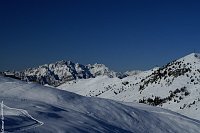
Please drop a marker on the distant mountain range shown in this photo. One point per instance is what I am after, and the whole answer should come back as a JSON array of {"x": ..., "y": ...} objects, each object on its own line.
[{"x": 61, "y": 72}]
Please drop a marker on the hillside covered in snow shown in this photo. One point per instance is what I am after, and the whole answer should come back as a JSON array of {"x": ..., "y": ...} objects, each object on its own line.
[
  {"x": 175, "y": 86},
  {"x": 61, "y": 111}
]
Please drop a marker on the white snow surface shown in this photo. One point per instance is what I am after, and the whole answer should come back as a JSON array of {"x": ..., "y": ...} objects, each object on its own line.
[
  {"x": 66, "y": 112},
  {"x": 182, "y": 74}
]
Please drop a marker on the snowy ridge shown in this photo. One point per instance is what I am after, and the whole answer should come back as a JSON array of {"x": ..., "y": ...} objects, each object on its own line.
[
  {"x": 62, "y": 111},
  {"x": 174, "y": 86}
]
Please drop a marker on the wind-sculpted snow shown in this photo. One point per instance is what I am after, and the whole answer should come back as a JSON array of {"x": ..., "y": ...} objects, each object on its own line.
[
  {"x": 65, "y": 112},
  {"x": 18, "y": 120}
]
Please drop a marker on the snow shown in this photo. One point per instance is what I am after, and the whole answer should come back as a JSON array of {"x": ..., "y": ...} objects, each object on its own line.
[
  {"x": 101, "y": 69},
  {"x": 17, "y": 120},
  {"x": 131, "y": 73},
  {"x": 63, "y": 111},
  {"x": 127, "y": 89},
  {"x": 60, "y": 72}
]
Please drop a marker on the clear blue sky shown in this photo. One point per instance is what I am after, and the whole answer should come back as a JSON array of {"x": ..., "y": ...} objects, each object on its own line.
[{"x": 123, "y": 34}]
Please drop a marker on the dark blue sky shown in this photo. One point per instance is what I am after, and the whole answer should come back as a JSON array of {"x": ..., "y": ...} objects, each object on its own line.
[{"x": 123, "y": 34}]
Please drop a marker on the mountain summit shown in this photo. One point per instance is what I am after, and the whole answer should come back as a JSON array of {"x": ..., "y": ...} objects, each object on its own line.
[{"x": 60, "y": 72}]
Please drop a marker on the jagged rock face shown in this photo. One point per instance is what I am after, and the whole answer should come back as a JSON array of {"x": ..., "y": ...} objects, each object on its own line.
[
  {"x": 60, "y": 72},
  {"x": 101, "y": 69}
]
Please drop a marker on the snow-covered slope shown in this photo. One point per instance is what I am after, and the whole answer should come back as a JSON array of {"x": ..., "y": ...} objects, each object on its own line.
[
  {"x": 62, "y": 111},
  {"x": 15, "y": 120},
  {"x": 103, "y": 86},
  {"x": 175, "y": 86}
]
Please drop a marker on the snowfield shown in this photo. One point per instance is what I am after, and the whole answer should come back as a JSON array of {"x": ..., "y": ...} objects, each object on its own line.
[
  {"x": 17, "y": 120},
  {"x": 66, "y": 112},
  {"x": 175, "y": 86}
]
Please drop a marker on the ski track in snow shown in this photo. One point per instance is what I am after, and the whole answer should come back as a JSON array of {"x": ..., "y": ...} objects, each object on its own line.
[{"x": 62, "y": 111}]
